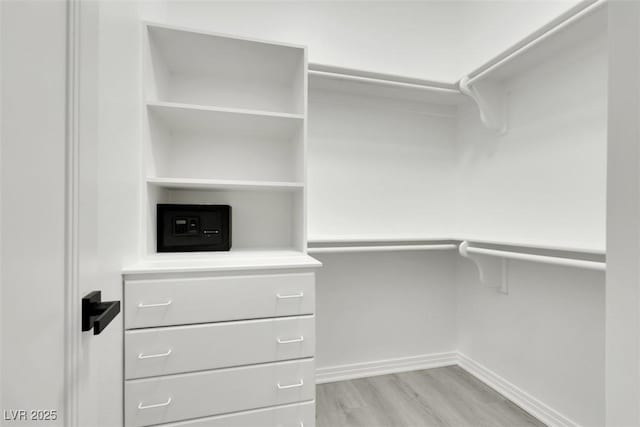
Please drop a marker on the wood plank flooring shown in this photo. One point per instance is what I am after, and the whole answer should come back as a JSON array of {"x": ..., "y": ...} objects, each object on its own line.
[{"x": 446, "y": 396}]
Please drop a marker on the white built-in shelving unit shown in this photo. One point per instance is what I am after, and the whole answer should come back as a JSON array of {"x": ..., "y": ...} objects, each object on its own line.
[{"x": 226, "y": 124}]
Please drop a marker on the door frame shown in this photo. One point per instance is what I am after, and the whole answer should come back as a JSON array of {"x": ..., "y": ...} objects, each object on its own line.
[{"x": 72, "y": 257}]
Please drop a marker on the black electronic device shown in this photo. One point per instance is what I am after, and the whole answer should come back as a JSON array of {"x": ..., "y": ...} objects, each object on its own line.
[{"x": 189, "y": 228}]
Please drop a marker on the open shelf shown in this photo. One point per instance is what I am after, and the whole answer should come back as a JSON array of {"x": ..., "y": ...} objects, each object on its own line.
[
  {"x": 260, "y": 220},
  {"x": 191, "y": 141},
  {"x": 206, "y": 68},
  {"x": 219, "y": 184}
]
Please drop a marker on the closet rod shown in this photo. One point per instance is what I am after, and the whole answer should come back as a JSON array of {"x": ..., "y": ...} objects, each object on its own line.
[
  {"x": 385, "y": 82},
  {"x": 570, "y": 262},
  {"x": 382, "y": 248},
  {"x": 574, "y": 14}
]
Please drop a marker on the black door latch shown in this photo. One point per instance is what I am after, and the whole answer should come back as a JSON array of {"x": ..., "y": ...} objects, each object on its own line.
[{"x": 97, "y": 314}]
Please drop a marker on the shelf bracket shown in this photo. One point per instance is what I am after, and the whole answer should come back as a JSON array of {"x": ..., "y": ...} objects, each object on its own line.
[
  {"x": 493, "y": 270},
  {"x": 491, "y": 99}
]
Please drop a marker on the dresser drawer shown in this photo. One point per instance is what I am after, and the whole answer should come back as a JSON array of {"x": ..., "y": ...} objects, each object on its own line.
[
  {"x": 186, "y": 396},
  {"x": 167, "y": 302},
  {"x": 170, "y": 350},
  {"x": 296, "y": 415}
]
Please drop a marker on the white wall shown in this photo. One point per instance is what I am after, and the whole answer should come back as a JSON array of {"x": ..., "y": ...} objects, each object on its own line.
[
  {"x": 379, "y": 167},
  {"x": 623, "y": 217},
  {"x": 378, "y": 306},
  {"x": 546, "y": 336},
  {"x": 543, "y": 182},
  {"x": 437, "y": 40}
]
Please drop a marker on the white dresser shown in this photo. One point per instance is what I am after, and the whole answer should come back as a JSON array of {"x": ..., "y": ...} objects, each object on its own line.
[{"x": 230, "y": 348}]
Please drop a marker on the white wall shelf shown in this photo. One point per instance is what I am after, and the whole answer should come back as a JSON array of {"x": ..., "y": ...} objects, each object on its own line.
[
  {"x": 217, "y": 184},
  {"x": 533, "y": 245},
  {"x": 381, "y": 248},
  {"x": 337, "y": 240},
  {"x": 485, "y": 85},
  {"x": 363, "y": 239},
  {"x": 366, "y": 83},
  {"x": 492, "y": 260},
  {"x": 490, "y": 257},
  {"x": 584, "y": 21}
]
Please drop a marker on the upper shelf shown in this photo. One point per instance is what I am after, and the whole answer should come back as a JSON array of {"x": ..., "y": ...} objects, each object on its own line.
[
  {"x": 368, "y": 83},
  {"x": 584, "y": 21},
  {"x": 198, "y": 67},
  {"x": 484, "y": 85},
  {"x": 239, "y": 122}
]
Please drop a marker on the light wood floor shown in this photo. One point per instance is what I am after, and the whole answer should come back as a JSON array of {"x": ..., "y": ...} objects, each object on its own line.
[{"x": 434, "y": 397}]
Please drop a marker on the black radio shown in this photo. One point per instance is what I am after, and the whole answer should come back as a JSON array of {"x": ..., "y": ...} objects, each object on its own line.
[{"x": 188, "y": 228}]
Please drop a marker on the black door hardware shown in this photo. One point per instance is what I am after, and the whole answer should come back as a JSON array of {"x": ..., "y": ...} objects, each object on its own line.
[{"x": 97, "y": 314}]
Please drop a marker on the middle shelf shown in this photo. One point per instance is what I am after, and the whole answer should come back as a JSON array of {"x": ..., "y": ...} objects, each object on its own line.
[
  {"x": 222, "y": 184},
  {"x": 226, "y": 144}
]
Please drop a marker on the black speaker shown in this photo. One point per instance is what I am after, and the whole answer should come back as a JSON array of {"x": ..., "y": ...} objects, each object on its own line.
[{"x": 189, "y": 228}]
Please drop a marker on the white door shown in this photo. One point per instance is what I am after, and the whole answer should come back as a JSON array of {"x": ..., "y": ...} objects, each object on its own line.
[
  {"x": 108, "y": 187},
  {"x": 69, "y": 163}
]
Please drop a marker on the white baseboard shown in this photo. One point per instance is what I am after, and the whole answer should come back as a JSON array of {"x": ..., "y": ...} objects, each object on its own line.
[
  {"x": 382, "y": 367},
  {"x": 532, "y": 405}
]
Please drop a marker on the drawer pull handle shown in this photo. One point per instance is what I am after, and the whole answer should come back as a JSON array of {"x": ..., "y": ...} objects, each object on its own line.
[
  {"x": 160, "y": 304},
  {"x": 299, "y": 339},
  {"x": 296, "y": 385},
  {"x": 155, "y": 405},
  {"x": 299, "y": 295},
  {"x": 151, "y": 356}
]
